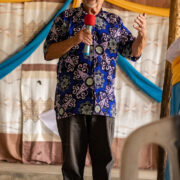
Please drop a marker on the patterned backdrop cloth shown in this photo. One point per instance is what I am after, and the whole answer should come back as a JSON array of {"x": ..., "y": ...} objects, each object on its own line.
[
  {"x": 29, "y": 90},
  {"x": 11, "y": 36}
]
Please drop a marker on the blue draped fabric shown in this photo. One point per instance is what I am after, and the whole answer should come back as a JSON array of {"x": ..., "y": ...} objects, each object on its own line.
[
  {"x": 10, "y": 64},
  {"x": 175, "y": 100},
  {"x": 143, "y": 83},
  {"x": 174, "y": 110}
]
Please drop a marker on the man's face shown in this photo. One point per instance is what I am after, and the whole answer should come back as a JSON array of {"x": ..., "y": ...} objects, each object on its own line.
[{"x": 92, "y": 3}]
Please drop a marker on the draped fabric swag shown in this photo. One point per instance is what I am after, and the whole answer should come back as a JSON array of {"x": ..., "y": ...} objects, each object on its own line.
[{"x": 123, "y": 4}]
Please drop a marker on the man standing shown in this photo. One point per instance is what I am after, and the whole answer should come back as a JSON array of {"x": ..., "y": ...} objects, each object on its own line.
[{"x": 85, "y": 102}]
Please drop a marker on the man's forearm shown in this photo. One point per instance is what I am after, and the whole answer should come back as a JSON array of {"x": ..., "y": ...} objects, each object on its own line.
[
  {"x": 138, "y": 46},
  {"x": 58, "y": 49}
]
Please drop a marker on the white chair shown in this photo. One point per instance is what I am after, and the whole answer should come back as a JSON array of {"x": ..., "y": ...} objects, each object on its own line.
[{"x": 163, "y": 133}]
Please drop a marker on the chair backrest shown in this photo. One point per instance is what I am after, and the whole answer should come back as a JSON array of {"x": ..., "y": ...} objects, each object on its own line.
[{"x": 163, "y": 133}]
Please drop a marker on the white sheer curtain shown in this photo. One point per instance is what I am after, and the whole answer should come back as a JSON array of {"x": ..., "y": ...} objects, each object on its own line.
[
  {"x": 11, "y": 38},
  {"x": 29, "y": 90},
  {"x": 134, "y": 107}
]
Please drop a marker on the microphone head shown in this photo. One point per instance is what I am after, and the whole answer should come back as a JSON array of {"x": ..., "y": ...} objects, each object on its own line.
[{"x": 89, "y": 20}]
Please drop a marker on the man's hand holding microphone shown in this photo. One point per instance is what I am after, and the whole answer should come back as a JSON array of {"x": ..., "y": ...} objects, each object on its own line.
[{"x": 85, "y": 35}]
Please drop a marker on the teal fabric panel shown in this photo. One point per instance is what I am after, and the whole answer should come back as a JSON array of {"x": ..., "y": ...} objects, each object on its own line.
[{"x": 137, "y": 78}]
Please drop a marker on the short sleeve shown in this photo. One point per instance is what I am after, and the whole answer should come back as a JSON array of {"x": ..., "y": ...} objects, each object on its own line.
[
  {"x": 125, "y": 42},
  {"x": 58, "y": 32}
]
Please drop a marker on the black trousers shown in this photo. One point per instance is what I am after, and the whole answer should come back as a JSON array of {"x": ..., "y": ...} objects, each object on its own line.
[{"x": 77, "y": 134}]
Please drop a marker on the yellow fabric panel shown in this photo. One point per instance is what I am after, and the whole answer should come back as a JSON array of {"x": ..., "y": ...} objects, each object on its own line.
[
  {"x": 14, "y": 1},
  {"x": 176, "y": 71},
  {"x": 76, "y": 3},
  {"x": 140, "y": 8},
  {"x": 134, "y": 7}
]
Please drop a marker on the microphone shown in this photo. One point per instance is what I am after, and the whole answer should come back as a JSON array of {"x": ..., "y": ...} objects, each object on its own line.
[{"x": 89, "y": 21}]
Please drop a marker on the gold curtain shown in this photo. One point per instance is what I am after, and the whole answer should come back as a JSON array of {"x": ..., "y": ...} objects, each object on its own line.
[
  {"x": 14, "y": 1},
  {"x": 139, "y": 8}
]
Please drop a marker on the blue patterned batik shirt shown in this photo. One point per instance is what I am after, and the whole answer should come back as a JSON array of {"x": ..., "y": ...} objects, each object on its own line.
[{"x": 85, "y": 84}]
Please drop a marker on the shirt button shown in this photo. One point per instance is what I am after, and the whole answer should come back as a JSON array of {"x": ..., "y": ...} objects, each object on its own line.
[
  {"x": 61, "y": 111},
  {"x": 97, "y": 108},
  {"x": 99, "y": 50},
  {"x": 89, "y": 81}
]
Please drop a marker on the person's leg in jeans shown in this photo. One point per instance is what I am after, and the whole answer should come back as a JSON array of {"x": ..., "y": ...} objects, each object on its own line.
[
  {"x": 101, "y": 131},
  {"x": 73, "y": 133}
]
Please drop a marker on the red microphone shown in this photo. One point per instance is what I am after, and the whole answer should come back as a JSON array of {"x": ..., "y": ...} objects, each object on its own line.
[{"x": 89, "y": 21}]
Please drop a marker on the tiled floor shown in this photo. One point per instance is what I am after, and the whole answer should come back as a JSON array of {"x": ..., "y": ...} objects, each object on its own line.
[{"x": 12, "y": 171}]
